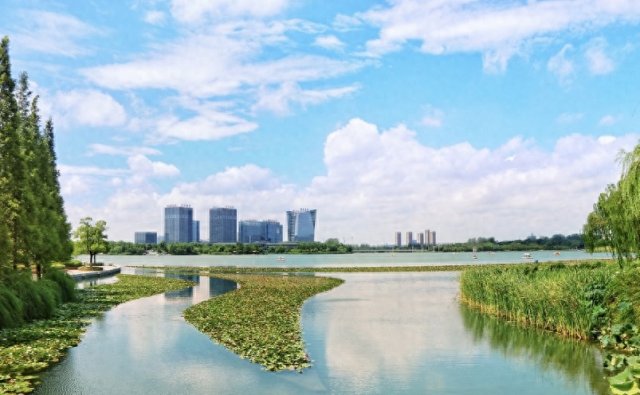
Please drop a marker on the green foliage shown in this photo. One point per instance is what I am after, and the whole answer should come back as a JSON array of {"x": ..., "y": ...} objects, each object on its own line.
[
  {"x": 29, "y": 349},
  {"x": 91, "y": 238},
  {"x": 33, "y": 227},
  {"x": 10, "y": 309},
  {"x": 615, "y": 219},
  {"x": 261, "y": 320},
  {"x": 65, "y": 282}
]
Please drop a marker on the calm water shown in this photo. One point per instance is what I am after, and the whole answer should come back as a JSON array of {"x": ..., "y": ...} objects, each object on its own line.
[
  {"x": 381, "y": 259},
  {"x": 377, "y": 333}
]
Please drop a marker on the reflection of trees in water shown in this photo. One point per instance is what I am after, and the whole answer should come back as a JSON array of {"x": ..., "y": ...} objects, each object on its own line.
[{"x": 575, "y": 359}]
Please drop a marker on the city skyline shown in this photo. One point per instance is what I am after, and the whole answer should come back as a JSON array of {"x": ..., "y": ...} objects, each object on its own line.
[{"x": 377, "y": 113}]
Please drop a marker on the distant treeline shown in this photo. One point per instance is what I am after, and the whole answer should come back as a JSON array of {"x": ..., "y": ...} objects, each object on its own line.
[
  {"x": 555, "y": 242},
  {"x": 128, "y": 248}
]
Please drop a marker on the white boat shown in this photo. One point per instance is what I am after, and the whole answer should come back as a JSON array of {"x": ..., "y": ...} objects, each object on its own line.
[
  {"x": 526, "y": 255},
  {"x": 281, "y": 259}
]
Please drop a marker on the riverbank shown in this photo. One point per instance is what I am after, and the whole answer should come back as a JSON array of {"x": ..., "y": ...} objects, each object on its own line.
[
  {"x": 27, "y": 350},
  {"x": 260, "y": 321},
  {"x": 595, "y": 302},
  {"x": 349, "y": 269}
]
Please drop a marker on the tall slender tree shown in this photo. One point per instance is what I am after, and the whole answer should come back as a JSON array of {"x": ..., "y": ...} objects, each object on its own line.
[{"x": 11, "y": 166}]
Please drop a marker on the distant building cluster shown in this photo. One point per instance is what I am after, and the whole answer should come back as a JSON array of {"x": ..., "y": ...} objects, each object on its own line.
[
  {"x": 426, "y": 239},
  {"x": 181, "y": 227}
]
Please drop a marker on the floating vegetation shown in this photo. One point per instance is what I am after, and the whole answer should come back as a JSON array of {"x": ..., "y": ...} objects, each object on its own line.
[
  {"x": 27, "y": 350},
  {"x": 349, "y": 269},
  {"x": 260, "y": 321}
]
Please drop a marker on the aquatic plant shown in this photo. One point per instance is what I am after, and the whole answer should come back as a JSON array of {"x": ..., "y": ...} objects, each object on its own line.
[
  {"x": 260, "y": 321},
  {"x": 29, "y": 349}
]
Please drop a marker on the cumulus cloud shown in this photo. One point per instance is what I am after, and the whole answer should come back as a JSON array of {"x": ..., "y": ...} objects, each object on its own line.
[
  {"x": 497, "y": 30},
  {"x": 377, "y": 182},
  {"x": 85, "y": 107}
]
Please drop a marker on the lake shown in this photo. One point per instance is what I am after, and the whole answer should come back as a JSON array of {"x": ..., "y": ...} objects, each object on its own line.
[
  {"x": 368, "y": 259},
  {"x": 377, "y": 333}
]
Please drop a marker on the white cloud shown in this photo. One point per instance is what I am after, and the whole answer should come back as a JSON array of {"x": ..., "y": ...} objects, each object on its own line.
[
  {"x": 195, "y": 11},
  {"x": 345, "y": 23},
  {"x": 598, "y": 61},
  {"x": 279, "y": 100},
  {"x": 433, "y": 117},
  {"x": 329, "y": 42},
  {"x": 498, "y": 30},
  {"x": 52, "y": 33},
  {"x": 560, "y": 65},
  {"x": 607, "y": 120},
  {"x": 142, "y": 167},
  {"x": 155, "y": 17},
  {"x": 104, "y": 149},
  {"x": 379, "y": 181},
  {"x": 84, "y": 108}
]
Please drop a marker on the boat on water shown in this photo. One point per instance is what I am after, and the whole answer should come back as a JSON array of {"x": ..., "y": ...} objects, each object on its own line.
[
  {"x": 281, "y": 259},
  {"x": 526, "y": 255}
]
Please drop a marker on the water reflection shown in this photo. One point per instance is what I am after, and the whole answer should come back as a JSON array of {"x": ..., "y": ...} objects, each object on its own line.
[
  {"x": 377, "y": 333},
  {"x": 577, "y": 361}
]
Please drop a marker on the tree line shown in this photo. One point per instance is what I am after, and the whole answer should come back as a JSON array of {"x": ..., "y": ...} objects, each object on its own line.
[
  {"x": 127, "y": 248},
  {"x": 34, "y": 231},
  {"x": 614, "y": 223}
]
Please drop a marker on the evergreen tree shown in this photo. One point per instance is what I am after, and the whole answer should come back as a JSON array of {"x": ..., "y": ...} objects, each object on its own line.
[{"x": 11, "y": 166}]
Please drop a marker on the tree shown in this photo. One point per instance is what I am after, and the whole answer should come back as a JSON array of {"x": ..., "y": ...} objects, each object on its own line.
[
  {"x": 91, "y": 238},
  {"x": 615, "y": 219}
]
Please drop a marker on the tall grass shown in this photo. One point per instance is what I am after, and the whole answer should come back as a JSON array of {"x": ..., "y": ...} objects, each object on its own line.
[
  {"x": 560, "y": 298},
  {"x": 22, "y": 299}
]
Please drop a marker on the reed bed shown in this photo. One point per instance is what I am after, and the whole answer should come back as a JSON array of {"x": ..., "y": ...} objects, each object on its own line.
[{"x": 559, "y": 298}]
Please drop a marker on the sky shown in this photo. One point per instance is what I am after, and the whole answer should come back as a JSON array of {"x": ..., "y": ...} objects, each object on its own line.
[{"x": 500, "y": 118}]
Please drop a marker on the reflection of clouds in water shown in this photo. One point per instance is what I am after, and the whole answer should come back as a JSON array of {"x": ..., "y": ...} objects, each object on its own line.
[{"x": 386, "y": 324}]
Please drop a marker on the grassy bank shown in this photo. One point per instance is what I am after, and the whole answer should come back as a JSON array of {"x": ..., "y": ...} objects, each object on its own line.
[
  {"x": 31, "y": 348},
  {"x": 344, "y": 269},
  {"x": 597, "y": 301},
  {"x": 261, "y": 320}
]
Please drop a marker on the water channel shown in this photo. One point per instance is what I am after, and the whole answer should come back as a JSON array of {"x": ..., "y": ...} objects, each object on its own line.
[{"x": 377, "y": 333}]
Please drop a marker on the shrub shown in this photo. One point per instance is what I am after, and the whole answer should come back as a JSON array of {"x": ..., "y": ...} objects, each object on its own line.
[
  {"x": 10, "y": 308},
  {"x": 65, "y": 282},
  {"x": 39, "y": 300}
]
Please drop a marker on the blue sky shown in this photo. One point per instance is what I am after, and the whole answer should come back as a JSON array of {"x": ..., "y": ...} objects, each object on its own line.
[{"x": 473, "y": 118}]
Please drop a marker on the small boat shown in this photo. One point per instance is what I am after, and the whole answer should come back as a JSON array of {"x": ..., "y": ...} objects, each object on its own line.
[
  {"x": 526, "y": 255},
  {"x": 475, "y": 256},
  {"x": 556, "y": 253},
  {"x": 281, "y": 259}
]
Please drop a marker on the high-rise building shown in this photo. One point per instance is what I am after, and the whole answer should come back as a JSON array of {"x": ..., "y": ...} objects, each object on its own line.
[
  {"x": 272, "y": 231},
  {"x": 252, "y": 231},
  {"x": 301, "y": 225},
  {"x": 398, "y": 239},
  {"x": 421, "y": 239},
  {"x": 429, "y": 240},
  {"x": 433, "y": 237},
  {"x": 195, "y": 231},
  {"x": 178, "y": 224},
  {"x": 409, "y": 239},
  {"x": 223, "y": 225},
  {"x": 146, "y": 238}
]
